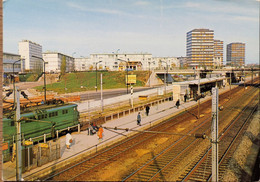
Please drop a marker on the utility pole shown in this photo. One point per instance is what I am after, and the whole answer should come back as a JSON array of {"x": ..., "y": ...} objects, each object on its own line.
[
  {"x": 252, "y": 74},
  {"x": 132, "y": 100},
  {"x": 101, "y": 94},
  {"x": 214, "y": 134},
  {"x": 244, "y": 79},
  {"x": 18, "y": 134},
  {"x": 230, "y": 81},
  {"x": 199, "y": 94}
]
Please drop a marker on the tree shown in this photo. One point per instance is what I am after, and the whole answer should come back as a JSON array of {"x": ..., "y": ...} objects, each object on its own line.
[
  {"x": 63, "y": 65},
  {"x": 91, "y": 67}
]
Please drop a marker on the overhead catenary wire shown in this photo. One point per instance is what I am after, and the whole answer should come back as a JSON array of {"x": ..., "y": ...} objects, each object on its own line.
[{"x": 196, "y": 135}]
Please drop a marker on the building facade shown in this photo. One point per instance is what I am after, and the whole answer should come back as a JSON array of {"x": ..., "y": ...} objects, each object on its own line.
[
  {"x": 236, "y": 54},
  {"x": 218, "y": 53},
  {"x": 28, "y": 49},
  {"x": 120, "y": 62},
  {"x": 183, "y": 62},
  {"x": 82, "y": 64},
  {"x": 12, "y": 65},
  {"x": 163, "y": 62},
  {"x": 55, "y": 61},
  {"x": 200, "y": 48}
]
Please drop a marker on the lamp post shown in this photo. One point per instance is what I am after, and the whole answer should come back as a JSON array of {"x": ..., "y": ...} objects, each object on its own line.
[
  {"x": 44, "y": 76},
  {"x": 13, "y": 75},
  {"x": 149, "y": 72},
  {"x": 199, "y": 93},
  {"x": 126, "y": 73},
  {"x": 165, "y": 75},
  {"x": 96, "y": 73}
]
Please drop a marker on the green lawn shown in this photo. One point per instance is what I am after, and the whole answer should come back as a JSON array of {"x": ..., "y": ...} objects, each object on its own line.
[{"x": 74, "y": 81}]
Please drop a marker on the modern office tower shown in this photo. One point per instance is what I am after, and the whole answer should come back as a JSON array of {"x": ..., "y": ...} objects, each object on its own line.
[
  {"x": 218, "y": 53},
  {"x": 236, "y": 54},
  {"x": 27, "y": 49},
  {"x": 200, "y": 48}
]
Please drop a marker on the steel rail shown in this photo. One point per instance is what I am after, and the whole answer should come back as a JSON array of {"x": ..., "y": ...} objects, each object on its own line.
[
  {"x": 145, "y": 166},
  {"x": 222, "y": 135},
  {"x": 121, "y": 143}
]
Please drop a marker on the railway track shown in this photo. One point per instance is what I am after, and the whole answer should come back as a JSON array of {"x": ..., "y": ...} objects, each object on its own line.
[
  {"x": 167, "y": 161},
  {"x": 92, "y": 164},
  {"x": 201, "y": 171}
]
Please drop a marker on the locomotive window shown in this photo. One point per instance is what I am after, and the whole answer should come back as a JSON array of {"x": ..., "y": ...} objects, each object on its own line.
[
  {"x": 45, "y": 115},
  {"x": 65, "y": 111},
  {"x": 52, "y": 114},
  {"x": 12, "y": 123}
]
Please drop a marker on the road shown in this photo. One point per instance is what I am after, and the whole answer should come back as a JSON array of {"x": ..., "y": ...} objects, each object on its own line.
[
  {"x": 88, "y": 95},
  {"x": 108, "y": 93}
]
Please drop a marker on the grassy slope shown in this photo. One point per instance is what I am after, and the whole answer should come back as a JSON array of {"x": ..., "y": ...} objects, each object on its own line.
[{"x": 115, "y": 79}]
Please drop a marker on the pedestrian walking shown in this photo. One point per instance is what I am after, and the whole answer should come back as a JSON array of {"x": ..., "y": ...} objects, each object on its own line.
[
  {"x": 68, "y": 140},
  {"x": 185, "y": 97},
  {"x": 147, "y": 109},
  {"x": 139, "y": 119},
  {"x": 100, "y": 133},
  {"x": 178, "y": 103}
]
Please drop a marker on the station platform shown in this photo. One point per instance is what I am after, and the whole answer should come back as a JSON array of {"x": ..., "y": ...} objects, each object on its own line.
[{"x": 84, "y": 144}]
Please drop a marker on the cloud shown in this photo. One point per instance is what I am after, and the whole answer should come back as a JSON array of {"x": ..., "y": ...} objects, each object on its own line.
[
  {"x": 244, "y": 18},
  {"x": 142, "y": 3},
  {"x": 111, "y": 11},
  {"x": 100, "y": 10},
  {"x": 192, "y": 5}
]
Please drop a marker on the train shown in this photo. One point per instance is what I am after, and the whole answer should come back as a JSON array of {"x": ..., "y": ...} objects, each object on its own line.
[{"x": 37, "y": 121}]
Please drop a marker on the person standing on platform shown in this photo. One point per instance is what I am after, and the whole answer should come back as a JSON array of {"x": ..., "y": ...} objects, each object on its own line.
[
  {"x": 185, "y": 97},
  {"x": 100, "y": 133},
  {"x": 147, "y": 109},
  {"x": 139, "y": 119},
  {"x": 178, "y": 103},
  {"x": 68, "y": 140}
]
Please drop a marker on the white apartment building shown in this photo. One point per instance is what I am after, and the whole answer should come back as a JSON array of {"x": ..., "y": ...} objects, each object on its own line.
[
  {"x": 27, "y": 49},
  {"x": 82, "y": 64},
  {"x": 121, "y": 61},
  {"x": 163, "y": 62},
  {"x": 54, "y": 62}
]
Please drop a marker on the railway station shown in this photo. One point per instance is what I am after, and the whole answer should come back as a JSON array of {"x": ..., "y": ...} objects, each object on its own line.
[{"x": 54, "y": 155}]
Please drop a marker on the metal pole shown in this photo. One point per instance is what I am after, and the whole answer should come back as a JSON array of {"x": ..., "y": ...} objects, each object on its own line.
[
  {"x": 127, "y": 78},
  {"x": 44, "y": 75},
  {"x": 214, "y": 134},
  {"x": 252, "y": 74},
  {"x": 199, "y": 94},
  {"x": 96, "y": 77},
  {"x": 44, "y": 83},
  {"x": 230, "y": 81},
  {"x": 165, "y": 82},
  {"x": 244, "y": 80},
  {"x": 149, "y": 74},
  {"x": 132, "y": 100},
  {"x": 18, "y": 135},
  {"x": 101, "y": 89},
  {"x": 167, "y": 73}
]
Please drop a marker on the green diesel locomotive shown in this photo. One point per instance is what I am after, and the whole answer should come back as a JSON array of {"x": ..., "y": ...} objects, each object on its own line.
[{"x": 37, "y": 121}]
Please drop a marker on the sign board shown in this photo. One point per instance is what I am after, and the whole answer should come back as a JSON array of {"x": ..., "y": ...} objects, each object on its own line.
[
  {"x": 44, "y": 145},
  {"x": 131, "y": 79},
  {"x": 28, "y": 142}
]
